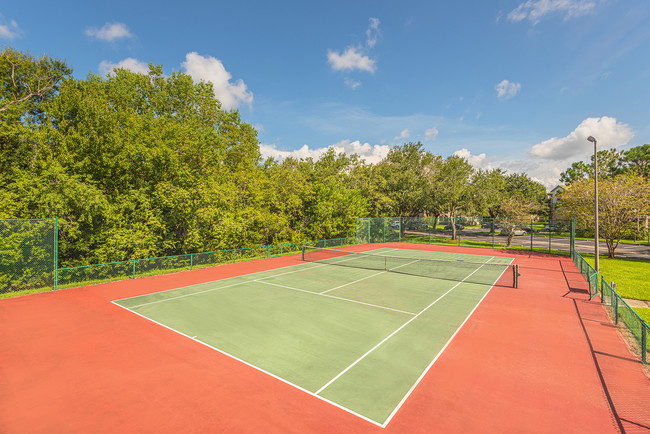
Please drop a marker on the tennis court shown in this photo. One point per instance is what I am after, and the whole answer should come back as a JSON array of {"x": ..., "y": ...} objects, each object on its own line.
[{"x": 358, "y": 330}]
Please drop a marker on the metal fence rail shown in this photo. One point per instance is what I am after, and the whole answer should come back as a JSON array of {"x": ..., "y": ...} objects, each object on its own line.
[{"x": 633, "y": 328}]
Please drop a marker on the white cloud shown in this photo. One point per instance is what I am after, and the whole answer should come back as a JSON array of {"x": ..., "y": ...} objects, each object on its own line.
[
  {"x": 9, "y": 30},
  {"x": 431, "y": 134},
  {"x": 478, "y": 161},
  {"x": 109, "y": 32},
  {"x": 352, "y": 83},
  {"x": 608, "y": 132},
  {"x": 507, "y": 89},
  {"x": 351, "y": 59},
  {"x": 133, "y": 65},
  {"x": 405, "y": 133},
  {"x": 535, "y": 10},
  {"x": 208, "y": 68},
  {"x": 356, "y": 57},
  {"x": 550, "y": 158},
  {"x": 369, "y": 153},
  {"x": 373, "y": 33}
]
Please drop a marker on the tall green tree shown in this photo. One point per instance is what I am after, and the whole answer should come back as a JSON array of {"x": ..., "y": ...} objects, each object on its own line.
[
  {"x": 454, "y": 188},
  {"x": 637, "y": 160},
  {"x": 404, "y": 180},
  {"x": 621, "y": 200}
]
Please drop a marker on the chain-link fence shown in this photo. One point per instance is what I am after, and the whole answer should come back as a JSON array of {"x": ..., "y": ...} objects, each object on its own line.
[
  {"x": 98, "y": 273},
  {"x": 28, "y": 254},
  {"x": 28, "y": 259},
  {"x": 524, "y": 234}
]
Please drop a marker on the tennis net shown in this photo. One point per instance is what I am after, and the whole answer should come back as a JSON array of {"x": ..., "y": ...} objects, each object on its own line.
[{"x": 475, "y": 272}]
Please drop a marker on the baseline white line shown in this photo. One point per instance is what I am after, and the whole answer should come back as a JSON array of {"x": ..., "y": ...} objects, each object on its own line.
[
  {"x": 254, "y": 367},
  {"x": 333, "y": 296},
  {"x": 395, "y": 332}
]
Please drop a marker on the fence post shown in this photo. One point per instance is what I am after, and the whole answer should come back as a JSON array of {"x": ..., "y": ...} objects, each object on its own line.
[
  {"x": 56, "y": 254},
  {"x": 191, "y": 261},
  {"x": 615, "y": 306},
  {"x": 531, "y": 234},
  {"x": 268, "y": 252},
  {"x": 644, "y": 342},
  {"x": 492, "y": 230},
  {"x": 134, "y": 268}
]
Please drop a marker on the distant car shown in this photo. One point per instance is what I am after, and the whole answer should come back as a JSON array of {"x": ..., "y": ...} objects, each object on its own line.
[
  {"x": 528, "y": 229},
  {"x": 395, "y": 224},
  {"x": 489, "y": 225},
  {"x": 459, "y": 227},
  {"x": 515, "y": 232}
]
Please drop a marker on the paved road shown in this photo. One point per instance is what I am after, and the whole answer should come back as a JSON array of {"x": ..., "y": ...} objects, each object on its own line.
[{"x": 635, "y": 251}]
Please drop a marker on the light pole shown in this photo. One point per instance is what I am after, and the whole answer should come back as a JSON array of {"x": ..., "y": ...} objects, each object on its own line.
[{"x": 597, "y": 267}]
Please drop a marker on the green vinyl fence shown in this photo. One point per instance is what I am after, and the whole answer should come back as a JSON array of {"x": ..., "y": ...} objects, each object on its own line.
[
  {"x": 29, "y": 258},
  {"x": 632, "y": 326}
]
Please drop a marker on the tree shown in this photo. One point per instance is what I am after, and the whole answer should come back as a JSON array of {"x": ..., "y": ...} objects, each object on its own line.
[
  {"x": 25, "y": 80},
  {"x": 453, "y": 188},
  {"x": 403, "y": 179},
  {"x": 621, "y": 200},
  {"x": 637, "y": 160},
  {"x": 489, "y": 189},
  {"x": 609, "y": 164}
]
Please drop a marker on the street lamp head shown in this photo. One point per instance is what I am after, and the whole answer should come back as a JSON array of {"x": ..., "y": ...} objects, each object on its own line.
[{"x": 591, "y": 139}]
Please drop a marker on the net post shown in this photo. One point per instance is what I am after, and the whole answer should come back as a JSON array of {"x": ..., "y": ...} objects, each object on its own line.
[{"x": 516, "y": 276}]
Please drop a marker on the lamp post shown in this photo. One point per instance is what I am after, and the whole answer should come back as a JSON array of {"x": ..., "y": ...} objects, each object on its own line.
[{"x": 597, "y": 267}]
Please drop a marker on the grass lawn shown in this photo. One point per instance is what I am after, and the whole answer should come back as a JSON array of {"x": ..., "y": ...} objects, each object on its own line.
[
  {"x": 632, "y": 276},
  {"x": 644, "y": 314}
]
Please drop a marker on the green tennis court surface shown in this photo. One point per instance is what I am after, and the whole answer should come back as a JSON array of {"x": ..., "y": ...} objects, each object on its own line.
[{"x": 359, "y": 338}]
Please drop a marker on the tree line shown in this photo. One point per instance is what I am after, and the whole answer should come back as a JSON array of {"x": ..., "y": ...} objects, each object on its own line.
[
  {"x": 623, "y": 195},
  {"x": 145, "y": 165}
]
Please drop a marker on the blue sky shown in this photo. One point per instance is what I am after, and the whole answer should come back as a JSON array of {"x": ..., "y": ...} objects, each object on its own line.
[{"x": 516, "y": 84}]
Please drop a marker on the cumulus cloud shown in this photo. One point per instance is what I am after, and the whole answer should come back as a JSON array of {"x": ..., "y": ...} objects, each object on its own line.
[
  {"x": 548, "y": 159},
  {"x": 9, "y": 29},
  {"x": 369, "y": 153},
  {"x": 507, "y": 89},
  {"x": 535, "y": 10},
  {"x": 109, "y": 32},
  {"x": 352, "y": 58},
  {"x": 431, "y": 134},
  {"x": 133, "y": 65},
  {"x": 208, "y": 68},
  {"x": 607, "y": 130},
  {"x": 356, "y": 57}
]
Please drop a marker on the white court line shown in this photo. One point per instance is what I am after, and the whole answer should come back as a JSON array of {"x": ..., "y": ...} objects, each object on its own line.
[
  {"x": 395, "y": 332},
  {"x": 254, "y": 367},
  {"x": 396, "y": 409},
  {"x": 368, "y": 277},
  {"x": 333, "y": 296}
]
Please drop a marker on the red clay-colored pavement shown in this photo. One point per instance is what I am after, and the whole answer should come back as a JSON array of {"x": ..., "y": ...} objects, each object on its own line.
[{"x": 538, "y": 359}]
